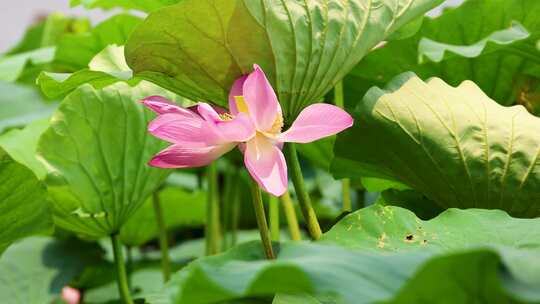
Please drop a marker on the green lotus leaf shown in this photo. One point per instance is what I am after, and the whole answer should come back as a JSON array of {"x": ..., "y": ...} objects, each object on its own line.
[
  {"x": 12, "y": 66},
  {"x": 436, "y": 51},
  {"x": 455, "y": 145},
  {"x": 381, "y": 255},
  {"x": 198, "y": 48},
  {"x": 21, "y": 105},
  {"x": 106, "y": 68},
  {"x": 373, "y": 184},
  {"x": 21, "y": 145},
  {"x": 495, "y": 50},
  {"x": 23, "y": 207},
  {"x": 141, "y": 5},
  {"x": 96, "y": 151}
]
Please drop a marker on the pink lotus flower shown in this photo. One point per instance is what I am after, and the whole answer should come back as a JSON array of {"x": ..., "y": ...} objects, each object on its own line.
[{"x": 203, "y": 133}]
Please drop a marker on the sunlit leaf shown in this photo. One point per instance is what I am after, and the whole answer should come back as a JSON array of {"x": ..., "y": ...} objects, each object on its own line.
[
  {"x": 106, "y": 68},
  {"x": 96, "y": 149},
  {"x": 455, "y": 145},
  {"x": 495, "y": 50},
  {"x": 198, "y": 48}
]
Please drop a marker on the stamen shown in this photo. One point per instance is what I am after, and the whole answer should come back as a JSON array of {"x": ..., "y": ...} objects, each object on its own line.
[
  {"x": 277, "y": 125},
  {"x": 226, "y": 117}
]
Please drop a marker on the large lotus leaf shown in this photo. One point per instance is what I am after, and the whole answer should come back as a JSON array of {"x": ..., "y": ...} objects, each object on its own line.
[
  {"x": 96, "y": 149},
  {"x": 35, "y": 270},
  {"x": 106, "y": 68},
  {"x": 198, "y": 48},
  {"x": 496, "y": 50},
  {"x": 75, "y": 51},
  {"x": 21, "y": 105},
  {"x": 23, "y": 206},
  {"x": 455, "y": 145},
  {"x": 141, "y": 5},
  {"x": 385, "y": 254},
  {"x": 180, "y": 209}
]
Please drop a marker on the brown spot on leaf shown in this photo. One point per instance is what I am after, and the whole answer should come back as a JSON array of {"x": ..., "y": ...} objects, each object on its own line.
[{"x": 409, "y": 238}]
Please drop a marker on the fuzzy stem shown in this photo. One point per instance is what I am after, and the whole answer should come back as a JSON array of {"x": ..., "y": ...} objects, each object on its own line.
[
  {"x": 303, "y": 197},
  {"x": 162, "y": 236},
  {"x": 212, "y": 212},
  {"x": 273, "y": 205},
  {"x": 290, "y": 215},
  {"x": 345, "y": 183},
  {"x": 122, "y": 280},
  {"x": 261, "y": 219}
]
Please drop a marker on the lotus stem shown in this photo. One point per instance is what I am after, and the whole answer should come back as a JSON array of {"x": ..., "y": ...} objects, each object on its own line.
[
  {"x": 290, "y": 215},
  {"x": 346, "y": 192},
  {"x": 129, "y": 265},
  {"x": 303, "y": 197},
  {"x": 212, "y": 212},
  {"x": 162, "y": 236},
  {"x": 273, "y": 205},
  {"x": 345, "y": 183},
  {"x": 122, "y": 280},
  {"x": 261, "y": 219},
  {"x": 235, "y": 217},
  {"x": 227, "y": 207}
]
